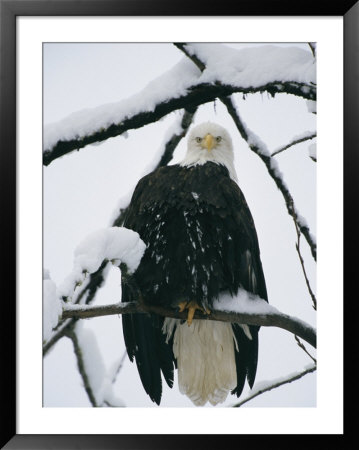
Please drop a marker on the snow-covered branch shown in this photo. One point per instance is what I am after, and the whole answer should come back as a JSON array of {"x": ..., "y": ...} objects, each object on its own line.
[
  {"x": 118, "y": 245},
  {"x": 92, "y": 256},
  {"x": 242, "y": 309},
  {"x": 309, "y": 135},
  {"x": 266, "y": 386},
  {"x": 185, "y": 86}
]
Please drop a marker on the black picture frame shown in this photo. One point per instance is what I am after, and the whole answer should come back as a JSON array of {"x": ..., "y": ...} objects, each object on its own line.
[{"x": 9, "y": 10}]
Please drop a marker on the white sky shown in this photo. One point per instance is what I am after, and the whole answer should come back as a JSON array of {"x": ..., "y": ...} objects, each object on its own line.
[{"x": 81, "y": 191}]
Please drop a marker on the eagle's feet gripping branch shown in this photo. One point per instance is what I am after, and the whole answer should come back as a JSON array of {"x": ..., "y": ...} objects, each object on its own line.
[{"x": 192, "y": 307}]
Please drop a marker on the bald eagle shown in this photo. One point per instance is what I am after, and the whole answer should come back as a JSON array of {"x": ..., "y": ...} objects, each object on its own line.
[{"x": 201, "y": 243}]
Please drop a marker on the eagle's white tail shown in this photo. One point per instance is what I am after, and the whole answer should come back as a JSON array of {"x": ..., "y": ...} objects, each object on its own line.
[{"x": 205, "y": 359}]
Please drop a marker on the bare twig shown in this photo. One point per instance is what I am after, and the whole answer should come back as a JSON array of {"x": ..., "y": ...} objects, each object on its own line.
[
  {"x": 274, "y": 385},
  {"x": 297, "y": 246},
  {"x": 301, "y": 345},
  {"x": 273, "y": 318},
  {"x": 119, "y": 367},
  {"x": 295, "y": 142}
]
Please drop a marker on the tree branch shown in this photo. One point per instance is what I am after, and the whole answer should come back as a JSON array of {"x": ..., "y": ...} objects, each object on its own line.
[
  {"x": 274, "y": 318},
  {"x": 301, "y": 345},
  {"x": 297, "y": 247},
  {"x": 195, "y": 96},
  {"x": 62, "y": 329},
  {"x": 295, "y": 142},
  {"x": 274, "y": 385}
]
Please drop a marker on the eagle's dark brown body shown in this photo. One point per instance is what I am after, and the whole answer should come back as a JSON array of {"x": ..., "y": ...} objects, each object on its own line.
[{"x": 201, "y": 241}]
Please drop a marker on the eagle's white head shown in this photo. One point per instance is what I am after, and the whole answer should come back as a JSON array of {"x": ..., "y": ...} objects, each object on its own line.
[{"x": 210, "y": 142}]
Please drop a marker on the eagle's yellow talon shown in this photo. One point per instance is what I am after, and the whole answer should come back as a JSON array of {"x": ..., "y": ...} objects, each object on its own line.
[
  {"x": 182, "y": 306},
  {"x": 192, "y": 307}
]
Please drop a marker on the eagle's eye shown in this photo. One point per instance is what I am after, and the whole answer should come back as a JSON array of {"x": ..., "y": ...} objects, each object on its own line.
[
  {"x": 218, "y": 138},
  {"x": 198, "y": 139}
]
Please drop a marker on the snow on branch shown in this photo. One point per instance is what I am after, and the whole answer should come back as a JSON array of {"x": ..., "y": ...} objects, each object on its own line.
[
  {"x": 297, "y": 140},
  {"x": 185, "y": 86},
  {"x": 266, "y": 386},
  {"x": 244, "y": 308},
  {"x": 118, "y": 245}
]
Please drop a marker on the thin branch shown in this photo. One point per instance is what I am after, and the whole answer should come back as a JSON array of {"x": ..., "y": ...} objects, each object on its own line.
[
  {"x": 274, "y": 385},
  {"x": 195, "y": 96},
  {"x": 301, "y": 345},
  {"x": 272, "y": 318},
  {"x": 295, "y": 142},
  {"x": 119, "y": 367},
  {"x": 81, "y": 366},
  {"x": 313, "y": 47},
  {"x": 297, "y": 246},
  {"x": 64, "y": 327}
]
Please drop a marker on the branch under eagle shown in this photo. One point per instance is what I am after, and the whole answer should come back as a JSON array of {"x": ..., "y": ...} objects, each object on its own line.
[{"x": 273, "y": 319}]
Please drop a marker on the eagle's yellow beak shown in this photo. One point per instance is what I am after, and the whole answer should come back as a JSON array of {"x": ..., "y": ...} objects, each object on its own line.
[{"x": 209, "y": 142}]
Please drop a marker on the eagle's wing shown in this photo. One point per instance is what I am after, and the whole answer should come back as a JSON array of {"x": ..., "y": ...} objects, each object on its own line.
[
  {"x": 144, "y": 339},
  {"x": 251, "y": 278}
]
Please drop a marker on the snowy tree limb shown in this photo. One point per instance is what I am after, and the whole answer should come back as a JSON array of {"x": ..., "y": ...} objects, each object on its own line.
[
  {"x": 272, "y": 319},
  {"x": 195, "y": 96},
  {"x": 274, "y": 385},
  {"x": 295, "y": 142}
]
